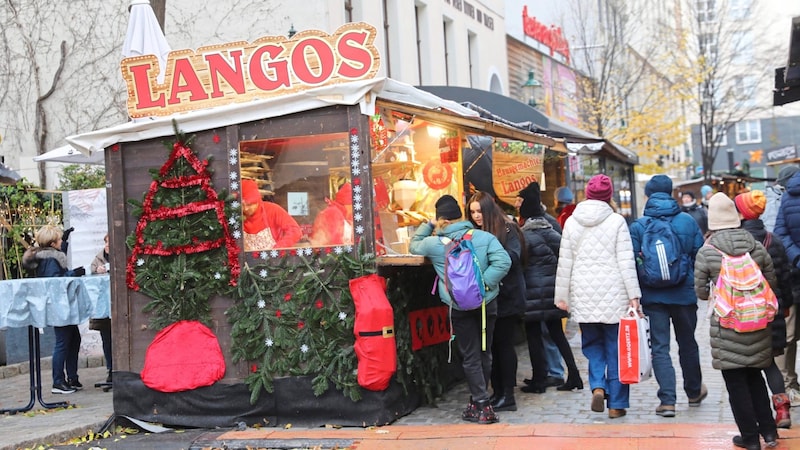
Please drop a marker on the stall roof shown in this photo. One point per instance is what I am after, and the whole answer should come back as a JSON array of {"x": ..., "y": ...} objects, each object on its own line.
[
  {"x": 364, "y": 93},
  {"x": 68, "y": 154}
]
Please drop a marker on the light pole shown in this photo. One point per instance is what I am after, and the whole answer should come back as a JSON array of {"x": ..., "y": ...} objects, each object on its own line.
[{"x": 532, "y": 88}]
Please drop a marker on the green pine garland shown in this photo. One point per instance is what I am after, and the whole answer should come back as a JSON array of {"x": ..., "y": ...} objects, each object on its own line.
[{"x": 294, "y": 316}]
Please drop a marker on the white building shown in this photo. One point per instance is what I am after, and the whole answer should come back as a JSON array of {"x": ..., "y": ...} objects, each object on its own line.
[{"x": 432, "y": 42}]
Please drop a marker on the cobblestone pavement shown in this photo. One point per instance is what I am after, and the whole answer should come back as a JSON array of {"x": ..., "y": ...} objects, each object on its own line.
[
  {"x": 564, "y": 416},
  {"x": 573, "y": 407}
]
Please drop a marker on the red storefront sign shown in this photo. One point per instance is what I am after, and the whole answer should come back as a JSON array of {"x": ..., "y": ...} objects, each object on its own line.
[{"x": 550, "y": 36}]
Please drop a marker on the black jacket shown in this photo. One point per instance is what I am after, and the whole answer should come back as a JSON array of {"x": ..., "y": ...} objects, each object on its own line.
[
  {"x": 543, "y": 243},
  {"x": 699, "y": 214},
  {"x": 511, "y": 298}
]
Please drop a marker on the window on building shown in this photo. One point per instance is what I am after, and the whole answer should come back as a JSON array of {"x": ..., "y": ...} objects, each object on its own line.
[
  {"x": 719, "y": 135},
  {"x": 449, "y": 54},
  {"x": 739, "y": 9},
  {"x": 708, "y": 46},
  {"x": 743, "y": 47},
  {"x": 748, "y": 132},
  {"x": 745, "y": 91},
  {"x": 474, "y": 65},
  {"x": 706, "y": 11}
]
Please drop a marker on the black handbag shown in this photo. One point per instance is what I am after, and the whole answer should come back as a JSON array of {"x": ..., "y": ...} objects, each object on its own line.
[{"x": 100, "y": 324}]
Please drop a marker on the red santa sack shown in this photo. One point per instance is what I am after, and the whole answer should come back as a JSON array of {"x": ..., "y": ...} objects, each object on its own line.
[
  {"x": 635, "y": 362},
  {"x": 375, "y": 344},
  {"x": 183, "y": 356}
]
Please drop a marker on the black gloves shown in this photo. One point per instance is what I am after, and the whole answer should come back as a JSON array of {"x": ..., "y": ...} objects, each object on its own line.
[
  {"x": 67, "y": 232},
  {"x": 78, "y": 272}
]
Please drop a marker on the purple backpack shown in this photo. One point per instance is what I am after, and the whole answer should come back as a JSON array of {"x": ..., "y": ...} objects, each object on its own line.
[{"x": 462, "y": 272}]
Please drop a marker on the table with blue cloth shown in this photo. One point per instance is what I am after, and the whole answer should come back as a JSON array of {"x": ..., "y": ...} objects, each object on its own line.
[{"x": 43, "y": 302}]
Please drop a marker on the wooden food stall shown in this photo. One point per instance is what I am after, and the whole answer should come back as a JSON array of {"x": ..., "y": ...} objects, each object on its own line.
[{"x": 211, "y": 329}]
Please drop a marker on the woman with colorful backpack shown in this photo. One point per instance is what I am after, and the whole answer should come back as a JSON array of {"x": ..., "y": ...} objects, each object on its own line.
[
  {"x": 740, "y": 347},
  {"x": 472, "y": 328},
  {"x": 750, "y": 206}
]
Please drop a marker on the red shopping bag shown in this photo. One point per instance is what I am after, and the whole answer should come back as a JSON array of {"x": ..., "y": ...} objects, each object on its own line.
[
  {"x": 635, "y": 363},
  {"x": 375, "y": 344}
]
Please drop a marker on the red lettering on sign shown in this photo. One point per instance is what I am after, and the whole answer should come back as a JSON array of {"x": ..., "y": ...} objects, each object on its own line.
[
  {"x": 191, "y": 84},
  {"x": 550, "y": 36},
  {"x": 232, "y": 73},
  {"x": 357, "y": 60},
  {"x": 141, "y": 82},
  {"x": 300, "y": 60},
  {"x": 278, "y": 69}
]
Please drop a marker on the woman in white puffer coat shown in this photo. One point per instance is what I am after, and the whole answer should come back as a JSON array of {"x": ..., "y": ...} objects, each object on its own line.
[{"x": 596, "y": 282}]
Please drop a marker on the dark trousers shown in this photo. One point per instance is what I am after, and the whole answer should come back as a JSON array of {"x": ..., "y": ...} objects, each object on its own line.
[
  {"x": 477, "y": 363},
  {"x": 749, "y": 401},
  {"x": 65, "y": 353},
  {"x": 105, "y": 336},
  {"x": 504, "y": 357},
  {"x": 533, "y": 331}
]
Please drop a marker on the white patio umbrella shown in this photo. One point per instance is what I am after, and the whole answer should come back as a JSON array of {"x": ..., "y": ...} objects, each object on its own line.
[
  {"x": 144, "y": 36},
  {"x": 70, "y": 155}
]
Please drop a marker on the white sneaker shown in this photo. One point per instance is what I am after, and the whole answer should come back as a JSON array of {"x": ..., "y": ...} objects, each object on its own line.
[{"x": 794, "y": 397}]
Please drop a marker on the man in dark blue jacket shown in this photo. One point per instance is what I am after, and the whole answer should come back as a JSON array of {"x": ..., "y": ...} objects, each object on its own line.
[{"x": 674, "y": 303}]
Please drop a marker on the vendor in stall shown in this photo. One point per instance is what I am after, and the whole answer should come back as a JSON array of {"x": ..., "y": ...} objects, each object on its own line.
[
  {"x": 334, "y": 224},
  {"x": 266, "y": 225}
]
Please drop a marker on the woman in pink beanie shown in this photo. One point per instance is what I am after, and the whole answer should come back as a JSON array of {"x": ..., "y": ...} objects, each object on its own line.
[{"x": 596, "y": 282}]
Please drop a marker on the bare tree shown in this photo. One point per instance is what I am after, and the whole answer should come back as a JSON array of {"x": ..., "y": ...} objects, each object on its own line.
[
  {"x": 722, "y": 58},
  {"x": 58, "y": 67},
  {"x": 628, "y": 94}
]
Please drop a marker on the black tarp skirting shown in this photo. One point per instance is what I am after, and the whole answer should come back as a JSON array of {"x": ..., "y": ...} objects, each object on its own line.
[{"x": 226, "y": 405}]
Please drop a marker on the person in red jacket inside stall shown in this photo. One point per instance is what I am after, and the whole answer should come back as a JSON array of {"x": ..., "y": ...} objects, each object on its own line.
[
  {"x": 266, "y": 225},
  {"x": 334, "y": 224}
]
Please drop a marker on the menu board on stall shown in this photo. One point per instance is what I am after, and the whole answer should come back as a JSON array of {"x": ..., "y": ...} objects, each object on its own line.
[{"x": 515, "y": 165}]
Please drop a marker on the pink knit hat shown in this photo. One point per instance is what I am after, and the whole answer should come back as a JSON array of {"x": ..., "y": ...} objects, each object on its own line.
[{"x": 600, "y": 188}]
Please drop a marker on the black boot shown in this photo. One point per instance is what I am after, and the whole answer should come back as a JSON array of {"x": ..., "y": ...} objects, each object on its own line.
[
  {"x": 505, "y": 402},
  {"x": 573, "y": 382}
]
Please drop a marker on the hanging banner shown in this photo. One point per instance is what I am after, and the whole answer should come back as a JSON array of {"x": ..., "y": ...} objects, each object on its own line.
[{"x": 515, "y": 165}]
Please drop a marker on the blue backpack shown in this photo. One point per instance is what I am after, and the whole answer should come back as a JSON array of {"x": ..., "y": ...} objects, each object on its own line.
[
  {"x": 462, "y": 272},
  {"x": 661, "y": 261}
]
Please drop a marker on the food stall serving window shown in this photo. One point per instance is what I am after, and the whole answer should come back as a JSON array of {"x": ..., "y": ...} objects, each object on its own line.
[
  {"x": 414, "y": 162},
  {"x": 296, "y": 192}
]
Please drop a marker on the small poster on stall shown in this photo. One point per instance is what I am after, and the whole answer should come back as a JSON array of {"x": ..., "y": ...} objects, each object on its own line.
[
  {"x": 85, "y": 210},
  {"x": 515, "y": 165}
]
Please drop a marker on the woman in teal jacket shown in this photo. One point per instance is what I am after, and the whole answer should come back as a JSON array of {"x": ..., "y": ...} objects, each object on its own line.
[{"x": 466, "y": 325}]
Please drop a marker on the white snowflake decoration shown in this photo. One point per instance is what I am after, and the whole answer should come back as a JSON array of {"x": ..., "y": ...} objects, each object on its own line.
[
  {"x": 232, "y": 160},
  {"x": 358, "y": 217},
  {"x": 348, "y": 248},
  {"x": 307, "y": 251},
  {"x": 263, "y": 255},
  {"x": 354, "y": 138},
  {"x": 234, "y": 185},
  {"x": 354, "y": 164},
  {"x": 140, "y": 262},
  {"x": 263, "y": 273},
  {"x": 274, "y": 254},
  {"x": 261, "y": 304},
  {"x": 358, "y": 206},
  {"x": 360, "y": 229},
  {"x": 299, "y": 252},
  {"x": 356, "y": 171},
  {"x": 236, "y": 234},
  {"x": 356, "y": 153},
  {"x": 233, "y": 152},
  {"x": 236, "y": 204},
  {"x": 357, "y": 191},
  {"x": 342, "y": 315},
  {"x": 232, "y": 221},
  {"x": 269, "y": 342},
  {"x": 338, "y": 250},
  {"x": 217, "y": 276},
  {"x": 233, "y": 176},
  {"x": 304, "y": 348}
]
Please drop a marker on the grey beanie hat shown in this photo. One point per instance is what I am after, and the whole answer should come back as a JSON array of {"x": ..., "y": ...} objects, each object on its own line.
[{"x": 786, "y": 173}]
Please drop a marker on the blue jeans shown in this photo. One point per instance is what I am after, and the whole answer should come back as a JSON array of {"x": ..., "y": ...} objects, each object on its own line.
[
  {"x": 599, "y": 342},
  {"x": 554, "y": 366},
  {"x": 684, "y": 320},
  {"x": 65, "y": 353}
]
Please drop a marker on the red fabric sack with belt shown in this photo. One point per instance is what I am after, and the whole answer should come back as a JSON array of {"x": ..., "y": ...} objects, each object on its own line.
[
  {"x": 183, "y": 356},
  {"x": 375, "y": 344}
]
